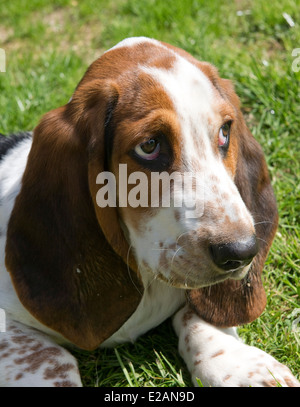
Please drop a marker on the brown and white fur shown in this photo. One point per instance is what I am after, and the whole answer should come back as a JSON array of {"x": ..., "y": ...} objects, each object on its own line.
[{"x": 77, "y": 273}]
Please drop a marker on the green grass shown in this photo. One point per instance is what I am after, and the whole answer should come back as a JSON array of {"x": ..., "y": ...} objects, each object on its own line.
[{"x": 48, "y": 47}]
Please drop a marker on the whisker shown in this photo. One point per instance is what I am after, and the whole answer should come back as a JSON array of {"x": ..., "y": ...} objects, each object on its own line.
[
  {"x": 258, "y": 216},
  {"x": 128, "y": 270},
  {"x": 187, "y": 275},
  {"x": 184, "y": 233},
  {"x": 259, "y": 238},
  {"x": 181, "y": 247},
  {"x": 264, "y": 221}
]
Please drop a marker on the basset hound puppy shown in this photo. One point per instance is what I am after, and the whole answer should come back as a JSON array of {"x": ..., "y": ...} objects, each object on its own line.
[{"x": 82, "y": 272}]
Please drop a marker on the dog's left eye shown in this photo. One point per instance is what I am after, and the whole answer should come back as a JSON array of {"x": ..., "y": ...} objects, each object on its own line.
[
  {"x": 224, "y": 135},
  {"x": 149, "y": 150}
]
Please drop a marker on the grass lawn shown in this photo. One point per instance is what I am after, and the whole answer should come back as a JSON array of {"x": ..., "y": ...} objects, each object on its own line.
[{"x": 48, "y": 47}]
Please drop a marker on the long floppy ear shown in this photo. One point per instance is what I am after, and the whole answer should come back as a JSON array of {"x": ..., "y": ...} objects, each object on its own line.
[
  {"x": 233, "y": 303},
  {"x": 65, "y": 256}
]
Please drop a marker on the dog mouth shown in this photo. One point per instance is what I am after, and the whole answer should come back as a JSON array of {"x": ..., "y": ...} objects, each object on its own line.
[{"x": 188, "y": 281}]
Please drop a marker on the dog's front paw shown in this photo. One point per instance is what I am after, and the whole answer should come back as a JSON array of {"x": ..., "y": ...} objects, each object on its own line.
[{"x": 245, "y": 366}]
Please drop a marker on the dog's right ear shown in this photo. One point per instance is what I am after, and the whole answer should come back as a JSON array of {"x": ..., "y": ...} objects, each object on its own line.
[{"x": 64, "y": 253}]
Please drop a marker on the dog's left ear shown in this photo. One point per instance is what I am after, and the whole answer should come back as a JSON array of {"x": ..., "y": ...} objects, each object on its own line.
[{"x": 231, "y": 302}]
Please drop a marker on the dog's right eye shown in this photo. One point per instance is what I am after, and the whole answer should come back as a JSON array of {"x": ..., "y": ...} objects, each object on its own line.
[{"x": 148, "y": 150}]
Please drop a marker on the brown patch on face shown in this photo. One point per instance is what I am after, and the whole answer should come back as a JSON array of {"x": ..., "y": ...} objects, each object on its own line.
[
  {"x": 230, "y": 160},
  {"x": 163, "y": 63},
  {"x": 146, "y": 96}
]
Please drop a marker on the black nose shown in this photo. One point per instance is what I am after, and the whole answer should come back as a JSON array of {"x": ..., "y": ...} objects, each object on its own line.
[{"x": 231, "y": 256}]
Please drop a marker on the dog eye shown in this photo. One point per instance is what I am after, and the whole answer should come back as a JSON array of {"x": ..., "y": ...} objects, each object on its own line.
[
  {"x": 224, "y": 135},
  {"x": 149, "y": 150}
]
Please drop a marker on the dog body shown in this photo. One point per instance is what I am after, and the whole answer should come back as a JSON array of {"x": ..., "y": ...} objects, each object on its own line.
[{"x": 92, "y": 274}]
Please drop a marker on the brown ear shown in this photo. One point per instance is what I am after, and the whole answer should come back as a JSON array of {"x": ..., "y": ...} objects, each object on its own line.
[
  {"x": 233, "y": 303},
  {"x": 62, "y": 262}
]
